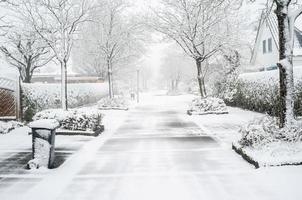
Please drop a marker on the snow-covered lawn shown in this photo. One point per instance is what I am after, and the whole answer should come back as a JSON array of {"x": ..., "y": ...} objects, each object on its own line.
[{"x": 225, "y": 127}]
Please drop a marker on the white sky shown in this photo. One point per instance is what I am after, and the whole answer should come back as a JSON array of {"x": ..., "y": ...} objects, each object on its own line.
[{"x": 156, "y": 48}]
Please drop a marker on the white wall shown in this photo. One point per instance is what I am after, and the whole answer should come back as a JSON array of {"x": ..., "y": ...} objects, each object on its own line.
[{"x": 269, "y": 58}]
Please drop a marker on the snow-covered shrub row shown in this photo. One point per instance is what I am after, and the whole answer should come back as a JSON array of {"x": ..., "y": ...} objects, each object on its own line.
[
  {"x": 6, "y": 127},
  {"x": 263, "y": 131},
  {"x": 39, "y": 96},
  {"x": 118, "y": 102},
  {"x": 82, "y": 119},
  {"x": 207, "y": 105},
  {"x": 259, "y": 91}
]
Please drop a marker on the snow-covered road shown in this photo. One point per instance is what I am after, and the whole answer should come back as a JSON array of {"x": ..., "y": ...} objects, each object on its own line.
[{"x": 158, "y": 152}]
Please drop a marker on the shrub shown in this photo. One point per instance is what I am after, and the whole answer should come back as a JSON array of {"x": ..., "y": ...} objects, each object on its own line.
[
  {"x": 207, "y": 105},
  {"x": 263, "y": 131},
  {"x": 74, "y": 119},
  {"x": 118, "y": 102},
  {"x": 259, "y": 92}
]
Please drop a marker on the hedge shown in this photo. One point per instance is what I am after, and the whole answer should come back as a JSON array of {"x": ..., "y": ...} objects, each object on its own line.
[
  {"x": 40, "y": 96},
  {"x": 259, "y": 91}
]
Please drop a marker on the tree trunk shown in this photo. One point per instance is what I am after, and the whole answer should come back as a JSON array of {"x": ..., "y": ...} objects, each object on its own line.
[
  {"x": 199, "y": 78},
  {"x": 28, "y": 75},
  {"x": 110, "y": 79},
  {"x": 204, "y": 86},
  {"x": 64, "y": 85},
  {"x": 286, "y": 83}
]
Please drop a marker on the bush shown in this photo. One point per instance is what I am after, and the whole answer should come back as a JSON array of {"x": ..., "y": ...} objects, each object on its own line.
[
  {"x": 118, "y": 102},
  {"x": 39, "y": 96},
  {"x": 74, "y": 119},
  {"x": 207, "y": 105},
  {"x": 260, "y": 92},
  {"x": 264, "y": 131}
]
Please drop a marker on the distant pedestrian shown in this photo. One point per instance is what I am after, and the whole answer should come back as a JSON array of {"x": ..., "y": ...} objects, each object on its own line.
[{"x": 132, "y": 96}]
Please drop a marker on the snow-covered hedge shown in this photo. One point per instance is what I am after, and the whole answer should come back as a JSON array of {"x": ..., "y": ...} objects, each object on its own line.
[
  {"x": 259, "y": 91},
  {"x": 116, "y": 103},
  {"x": 83, "y": 119},
  {"x": 39, "y": 96},
  {"x": 207, "y": 105},
  {"x": 6, "y": 127}
]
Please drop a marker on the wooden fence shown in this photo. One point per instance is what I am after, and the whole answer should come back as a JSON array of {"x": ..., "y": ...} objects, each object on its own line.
[{"x": 9, "y": 99}]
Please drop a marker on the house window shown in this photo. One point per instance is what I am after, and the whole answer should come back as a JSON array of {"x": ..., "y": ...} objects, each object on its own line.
[
  {"x": 264, "y": 46},
  {"x": 269, "y": 45}
]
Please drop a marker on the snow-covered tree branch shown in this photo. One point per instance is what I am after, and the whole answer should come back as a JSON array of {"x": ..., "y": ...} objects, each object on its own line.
[
  {"x": 195, "y": 26},
  {"x": 57, "y": 23}
]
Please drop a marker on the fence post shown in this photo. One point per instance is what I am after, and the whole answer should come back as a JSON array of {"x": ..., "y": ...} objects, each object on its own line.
[{"x": 18, "y": 99}]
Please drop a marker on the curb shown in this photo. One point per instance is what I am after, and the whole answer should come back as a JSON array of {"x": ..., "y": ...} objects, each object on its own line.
[{"x": 245, "y": 156}]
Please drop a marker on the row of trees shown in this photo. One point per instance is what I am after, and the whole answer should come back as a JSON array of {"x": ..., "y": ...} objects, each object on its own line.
[
  {"x": 205, "y": 31},
  {"x": 37, "y": 32},
  {"x": 202, "y": 29},
  {"x": 115, "y": 41}
]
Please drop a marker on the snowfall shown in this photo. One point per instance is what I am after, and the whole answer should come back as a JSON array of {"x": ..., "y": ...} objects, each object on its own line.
[{"x": 152, "y": 151}]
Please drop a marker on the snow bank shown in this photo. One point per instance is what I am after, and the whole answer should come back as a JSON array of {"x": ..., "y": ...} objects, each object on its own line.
[
  {"x": 82, "y": 119},
  {"x": 208, "y": 105},
  {"x": 6, "y": 127},
  {"x": 39, "y": 96}
]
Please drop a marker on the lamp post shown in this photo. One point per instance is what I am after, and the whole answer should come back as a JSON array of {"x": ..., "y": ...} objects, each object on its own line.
[{"x": 137, "y": 86}]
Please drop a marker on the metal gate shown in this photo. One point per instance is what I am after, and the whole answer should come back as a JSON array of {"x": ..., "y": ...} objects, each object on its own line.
[{"x": 9, "y": 99}]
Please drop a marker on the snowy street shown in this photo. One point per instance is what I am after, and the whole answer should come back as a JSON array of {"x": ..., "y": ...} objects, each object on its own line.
[
  {"x": 157, "y": 152},
  {"x": 150, "y": 100}
]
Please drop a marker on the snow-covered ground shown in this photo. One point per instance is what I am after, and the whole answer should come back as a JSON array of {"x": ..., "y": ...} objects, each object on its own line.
[
  {"x": 226, "y": 127},
  {"x": 154, "y": 151}
]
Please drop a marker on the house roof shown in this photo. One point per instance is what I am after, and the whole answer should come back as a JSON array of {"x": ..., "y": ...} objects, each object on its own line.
[{"x": 270, "y": 19}]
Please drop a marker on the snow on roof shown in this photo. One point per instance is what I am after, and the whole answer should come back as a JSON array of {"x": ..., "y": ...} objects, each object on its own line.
[{"x": 45, "y": 124}]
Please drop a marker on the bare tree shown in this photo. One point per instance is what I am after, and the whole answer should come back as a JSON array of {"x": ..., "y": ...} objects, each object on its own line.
[
  {"x": 57, "y": 22},
  {"x": 21, "y": 45},
  {"x": 195, "y": 25},
  {"x": 175, "y": 68},
  {"x": 26, "y": 52},
  {"x": 118, "y": 38}
]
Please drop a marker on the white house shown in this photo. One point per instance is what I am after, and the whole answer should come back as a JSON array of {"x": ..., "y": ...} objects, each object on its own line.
[{"x": 265, "y": 54}]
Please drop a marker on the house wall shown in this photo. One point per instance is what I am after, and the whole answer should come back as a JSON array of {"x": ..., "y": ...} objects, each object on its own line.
[
  {"x": 297, "y": 61},
  {"x": 264, "y": 60}
]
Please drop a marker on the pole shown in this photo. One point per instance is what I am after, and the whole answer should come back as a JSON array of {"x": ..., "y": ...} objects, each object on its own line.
[{"x": 137, "y": 85}]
